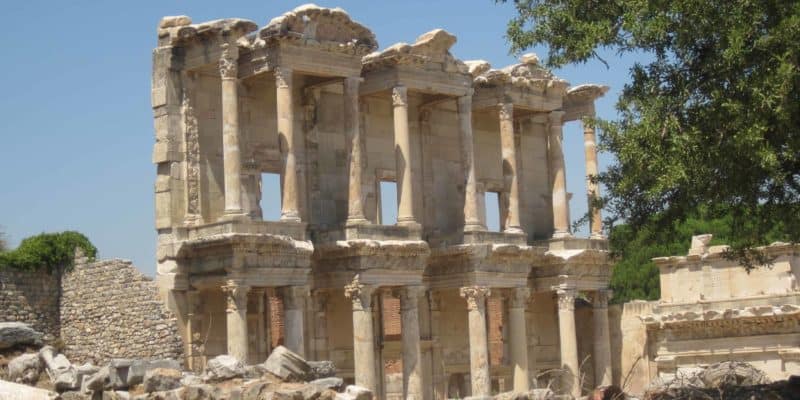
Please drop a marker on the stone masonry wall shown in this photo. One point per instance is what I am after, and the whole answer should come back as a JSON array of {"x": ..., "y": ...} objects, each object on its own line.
[
  {"x": 30, "y": 297},
  {"x": 110, "y": 310}
]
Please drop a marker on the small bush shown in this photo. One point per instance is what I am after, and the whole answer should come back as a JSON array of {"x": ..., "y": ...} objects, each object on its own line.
[{"x": 48, "y": 251}]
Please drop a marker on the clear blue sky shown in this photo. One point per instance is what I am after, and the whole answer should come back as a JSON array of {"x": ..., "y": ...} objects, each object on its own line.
[{"x": 76, "y": 123}]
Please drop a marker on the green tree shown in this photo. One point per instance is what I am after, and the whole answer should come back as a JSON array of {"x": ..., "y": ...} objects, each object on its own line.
[
  {"x": 710, "y": 121},
  {"x": 49, "y": 251}
]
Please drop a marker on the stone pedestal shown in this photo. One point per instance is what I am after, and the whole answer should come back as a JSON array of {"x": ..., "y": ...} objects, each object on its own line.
[
  {"x": 352, "y": 129},
  {"x": 402, "y": 140},
  {"x": 557, "y": 174},
  {"x": 290, "y": 204},
  {"x": 593, "y": 191},
  {"x": 231, "y": 154},
  {"x": 518, "y": 301},
  {"x": 363, "y": 336},
  {"x": 471, "y": 220},
  {"x": 294, "y": 302},
  {"x": 478, "y": 344},
  {"x": 236, "y": 296},
  {"x": 568, "y": 341},
  {"x": 602, "y": 338},
  {"x": 412, "y": 356},
  {"x": 510, "y": 170}
]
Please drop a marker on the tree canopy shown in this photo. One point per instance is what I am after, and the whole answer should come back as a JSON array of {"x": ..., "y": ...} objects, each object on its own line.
[
  {"x": 49, "y": 251},
  {"x": 710, "y": 121}
]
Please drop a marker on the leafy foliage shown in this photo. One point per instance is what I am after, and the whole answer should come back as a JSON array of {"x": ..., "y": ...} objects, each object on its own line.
[
  {"x": 711, "y": 121},
  {"x": 50, "y": 251}
]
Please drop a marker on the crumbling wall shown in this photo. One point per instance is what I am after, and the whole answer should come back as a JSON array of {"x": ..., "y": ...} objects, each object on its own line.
[
  {"x": 631, "y": 354},
  {"x": 110, "y": 310},
  {"x": 30, "y": 297}
]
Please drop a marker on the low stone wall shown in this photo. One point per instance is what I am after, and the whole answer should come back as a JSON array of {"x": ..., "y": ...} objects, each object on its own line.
[
  {"x": 30, "y": 297},
  {"x": 110, "y": 310}
]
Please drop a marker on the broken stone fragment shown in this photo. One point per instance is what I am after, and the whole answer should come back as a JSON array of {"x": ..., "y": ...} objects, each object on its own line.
[
  {"x": 530, "y": 59},
  {"x": 25, "y": 369},
  {"x": 17, "y": 333},
  {"x": 287, "y": 365},
  {"x": 477, "y": 67},
  {"x": 162, "y": 379},
  {"x": 118, "y": 373},
  {"x": 321, "y": 369},
  {"x": 224, "y": 367},
  {"x": 139, "y": 368},
  {"x": 354, "y": 392},
  {"x": 174, "y": 21},
  {"x": 100, "y": 380},
  {"x": 10, "y": 390}
]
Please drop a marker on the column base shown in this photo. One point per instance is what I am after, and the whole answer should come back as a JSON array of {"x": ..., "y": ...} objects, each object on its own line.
[
  {"x": 514, "y": 230},
  {"x": 598, "y": 236},
  {"x": 290, "y": 217},
  {"x": 561, "y": 235},
  {"x": 409, "y": 223},
  {"x": 474, "y": 227},
  {"x": 234, "y": 214},
  {"x": 355, "y": 221}
]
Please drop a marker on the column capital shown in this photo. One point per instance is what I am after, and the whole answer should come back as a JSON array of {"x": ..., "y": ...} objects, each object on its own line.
[
  {"x": 283, "y": 77},
  {"x": 475, "y": 296},
  {"x": 236, "y": 295},
  {"x": 566, "y": 298},
  {"x": 556, "y": 117},
  {"x": 506, "y": 111},
  {"x": 294, "y": 296},
  {"x": 601, "y": 298},
  {"x": 400, "y": 96},
  {"x": 464, "y": 103},
  {"x": 229, "y": 61},
  {"x": 359, "y": 294},
  {"x": 519, "y": 297}
]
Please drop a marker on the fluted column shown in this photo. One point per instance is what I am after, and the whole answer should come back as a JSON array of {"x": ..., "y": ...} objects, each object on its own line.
[
  {"x": 352, "y": 129},
  {"x": 363, "y": 336},
  {"x": 519, "y": 337},
  {"x": 231, "y": 153},
  {"x": 471, "y": 220},
  {"x": 412, "y": 355},
  {"x": 236, "y": 295},
  {"x": 568, "y": 340},
  {"x": 402, "y": 142},
  {"x": 602, "y": 338},
  {"x": 509, "y": 153},
  {"x": 294, "y": 302},
  {"x": 557, "y": 173},
  {"x": 478, "y": 344},
  {"x": 290, "y": 204},
  {"x": 593, "y": 191}
]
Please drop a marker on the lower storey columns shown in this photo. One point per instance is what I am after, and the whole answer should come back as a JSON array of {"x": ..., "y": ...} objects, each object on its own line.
[
  {"x": 363, "y": 335},
  {"x": 568, "y": 341},
  {"x": 294, "y": 300},
  {"x": 519, "y": 337},
  {"x": 478, "y": 345},
  {"x": 602, "y": 343},
  {"x": 412, "y": 356},
  {"x": 236, "y": 296}
]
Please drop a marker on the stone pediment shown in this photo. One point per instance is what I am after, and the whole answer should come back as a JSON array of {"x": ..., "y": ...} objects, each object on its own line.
[
  {"x": 430, "y": 51},
  {"x": 177, "y": 29},
  {"x": 528, "y": 73},
  {"x": 330, "y": 28},
  {"x": 586, "y": 92}
]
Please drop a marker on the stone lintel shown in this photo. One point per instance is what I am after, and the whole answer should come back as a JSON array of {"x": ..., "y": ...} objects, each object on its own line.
[{"x": 537, "y": 98}]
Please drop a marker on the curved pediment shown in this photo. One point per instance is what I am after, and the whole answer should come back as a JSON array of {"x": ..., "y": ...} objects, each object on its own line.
[
  {"x": 430, "y": 47},
  {"x": 315, "y": 24},
  {"x": 527, "y": 73}
]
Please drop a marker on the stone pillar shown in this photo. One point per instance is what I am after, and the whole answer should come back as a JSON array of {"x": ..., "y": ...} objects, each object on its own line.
[
  {"x": 352, "y": 129},
  {"x": 437, "y": 367},
  {"x": 602, "y": 338},
  {"x": 478, "y": 344},
  {"x": 519, "y": 337},
  {"x": 590, "y": 150},
  {"x": 412, "y": 355},
  {"x": 557, "y": 173},
  {"x": 363, "y": 336},
  {"x": 320, "y": 299},
  {"x": 192, "y": 329},
  {"x": 509, "y": 152},
  {"x": 402, "y": 141},
  {"x": 231, "y": 154},
  {"x": 472, "y": 221},
  {"x": 290, "y": 204},
  {"x": 568, "y": 340},
  {"x": 294, "y": 302},
  {"x": 236, "y": 294},
  {"x": 261, "y": 336}
]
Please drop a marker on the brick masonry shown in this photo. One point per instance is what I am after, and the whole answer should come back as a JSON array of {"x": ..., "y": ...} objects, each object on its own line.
[{"x": 30, "y": 297}]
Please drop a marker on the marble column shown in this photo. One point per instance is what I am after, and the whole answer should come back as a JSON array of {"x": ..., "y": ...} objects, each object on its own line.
[
  {"x": 472, "y": 221},
  {"x": 363, "y": 336},
  {"x": 290, "y": 202},
  {"x": 320, "y": 299},
  {"x": 261, "y": 336},
  {"x": 294, "y": 302},
  {"x": 509, "y": 153},
  {"x": 518, "y": 301},
  {"x": 236, "y": 295},
  {"x": 231, "y": 153},
  {"x": 437, "y": 367},
  {"x": 557, "y": 173},
  {"x": 402, "y": 142},
  {"x": 602, "y": 338},
  {"x": 568, "y": 340},
  {"x": 478, "y": 343},
  {"x": 412, "y": 355},
  {"x": 192, "y": 328},
  {"x": 590, "y": 150},
  {"x": 352, "y": 129}
]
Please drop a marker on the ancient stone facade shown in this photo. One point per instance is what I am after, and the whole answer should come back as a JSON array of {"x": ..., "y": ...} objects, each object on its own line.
[
  {"x": 309, "y": 97},
  {"x": 31, "y": 297}
]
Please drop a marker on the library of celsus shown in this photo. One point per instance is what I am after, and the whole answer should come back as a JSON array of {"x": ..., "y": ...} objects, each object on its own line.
[{"x": 433, "y": 305}]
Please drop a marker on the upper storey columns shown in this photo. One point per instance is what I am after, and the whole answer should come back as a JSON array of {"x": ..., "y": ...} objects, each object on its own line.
[
  {"x": 290, "y": 202},
  {"x": 590, "y": 150},
  {"x": 555, "y": 139},
  {"x": 231, "y": 153},
  {"x": 402, "y": 141},
  {"x": 510, "y": 166},
  {"x": 352, "y": 129},
  {"x": 471, "y": 220}
]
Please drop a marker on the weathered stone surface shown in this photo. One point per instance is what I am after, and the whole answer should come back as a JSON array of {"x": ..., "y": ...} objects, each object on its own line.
[
  {"x": 731, "y": 373},
  {"x": 119, "y": 371},
  {"x": 15, "y": 391},
  {"x": 225, "y": 367},
  {"x": 541, "y": 394},
  {"x": 25, "y": 368},
  {"x": 287, "y": 365},
  {"x": 138, "y": 368},
  {"x": 353, "y": 392},
  {"x": 162, "y": 379},
  {"x": 321, "y": 369},
  {"x": 17, "y": 333},
  {"x": 174, "y": 21},
  {"x": 100, "y": 380}
]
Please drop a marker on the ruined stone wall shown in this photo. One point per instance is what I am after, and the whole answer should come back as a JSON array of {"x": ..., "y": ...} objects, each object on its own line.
[
  {"x": 30, "y": 297},
  {"x": 111, "y": 310},
  {"x": 631, "y": 353}
]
